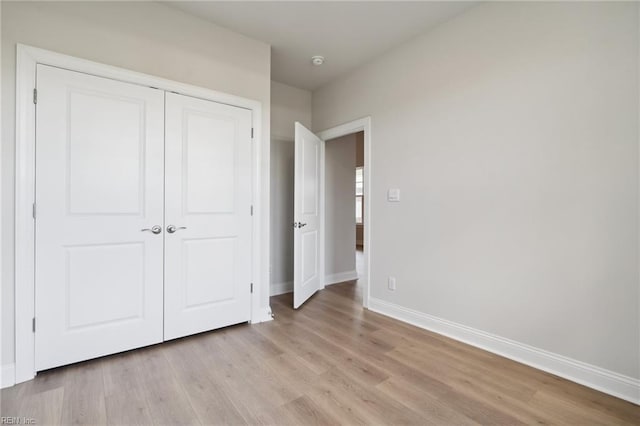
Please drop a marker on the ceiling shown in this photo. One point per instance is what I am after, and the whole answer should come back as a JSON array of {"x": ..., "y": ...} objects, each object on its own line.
[{"x": 347, "y": 34}]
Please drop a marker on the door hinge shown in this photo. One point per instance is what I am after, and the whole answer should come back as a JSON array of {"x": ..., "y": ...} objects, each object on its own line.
[
  {"x": 251, "y": 287},
  {"x": 35, "y": 96},
  {"x": 252, "y": 133},
  {"x": 33, "y": 324},
  {"x": 33, "y": 210},
  {"x": 251, "y": 210}
]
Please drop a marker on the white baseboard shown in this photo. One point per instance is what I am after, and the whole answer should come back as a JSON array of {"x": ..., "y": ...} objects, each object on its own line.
[
  {"x": 618, "y": 385},
  {"x": 340, "y": 277},
  {"x": 281, "y": 288},
  {"x": 8, "y": 375}
]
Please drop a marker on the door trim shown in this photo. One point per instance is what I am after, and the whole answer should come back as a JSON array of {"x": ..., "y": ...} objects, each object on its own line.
[
  {"x": 27, "y": 59},
  {"x": 362, "y": 124}
]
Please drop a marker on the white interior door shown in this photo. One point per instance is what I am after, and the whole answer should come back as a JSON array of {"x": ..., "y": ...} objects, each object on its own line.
[
  {"x": 307, "y": 273},
  {"x": 208, "y": 201},
  {"x": 99, "y": 169}
]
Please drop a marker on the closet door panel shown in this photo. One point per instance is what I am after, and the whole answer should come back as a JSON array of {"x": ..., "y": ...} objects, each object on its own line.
[
  {"x": 99, "y": 182},
  {"x": 208, "y": 215}
]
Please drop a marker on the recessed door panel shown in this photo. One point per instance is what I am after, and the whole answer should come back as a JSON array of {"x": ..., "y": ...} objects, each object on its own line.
[
  {"x": 105, "y": 153},
  {"x": 210, "y": 161},
  {"x": 208, "y": 201},
  {"x": 100, "y": 294},
  {"x": 99, "y": 182},
  {"x": 209, "y": 271}
]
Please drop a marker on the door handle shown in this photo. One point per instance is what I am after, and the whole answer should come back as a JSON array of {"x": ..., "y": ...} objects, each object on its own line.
[
  {"x": 299, "y": 224},
  {"x": 156, "y": 229},
  {"x": 172, "y": 228}
]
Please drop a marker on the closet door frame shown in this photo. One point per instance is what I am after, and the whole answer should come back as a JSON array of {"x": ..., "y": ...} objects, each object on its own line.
[{"x": 27, "y": 59}]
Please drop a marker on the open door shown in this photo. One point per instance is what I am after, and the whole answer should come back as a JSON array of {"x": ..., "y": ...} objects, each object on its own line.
[{"x": 307, "y": 273}]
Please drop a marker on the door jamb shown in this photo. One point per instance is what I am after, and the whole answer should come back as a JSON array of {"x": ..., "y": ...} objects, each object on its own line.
[
  {"x": 362, "y": 124},
  {"x": 26, "y": 61}
]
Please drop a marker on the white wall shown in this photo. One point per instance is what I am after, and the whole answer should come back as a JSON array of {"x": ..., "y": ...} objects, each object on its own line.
[
  {"x": 288, "y": 105},
  {"x": 340, "y": 218},
  {"x": 512, "y": 132},
  {"x": 146, "y": 37}
]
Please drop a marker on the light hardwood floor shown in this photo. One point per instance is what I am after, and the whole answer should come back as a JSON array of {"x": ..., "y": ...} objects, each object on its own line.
[{"x": 331, "y": 362}]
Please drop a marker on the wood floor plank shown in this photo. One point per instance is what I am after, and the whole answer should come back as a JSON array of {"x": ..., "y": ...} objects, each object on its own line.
[
  {"x": 306, "y": 412},
  {"x": 44, "y": 407},
  {"x": 247, "y": 367},
  {"x": 10, "y": 399},
  {"x": 290, "y": 369},
  {"x": 229, "y": 381},
  {"x": 354, "y": 365},
  {"x": 466, "y": 370},
  {"x": 295, "y": 343},
  {"x": 259, "y": 346},
  {"x": 207, "y": 396},
  {"x": 562, "y": 389},
  {"x": 370, "y": 404},
  {"x": 336, "y": 318},
  {"x": 567, "y": 411},
  {"x": 352, "y": 339},
  {"x": 338, "y": 403},
  {"x": 84, "y": 401},
  {"x": 125, "y": 402},
  {"x": 257, "y": 394},
  {"x": 433, "y": 410},
  {"x": 167, "y": 401},
  {"x": 481, "y": 390}
]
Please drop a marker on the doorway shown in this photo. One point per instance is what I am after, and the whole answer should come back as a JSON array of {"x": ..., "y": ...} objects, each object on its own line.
[
  {"x": 311, "y": 180},
  {"x": 363, "y": 257},
  {"x": 344, "y": 211}
]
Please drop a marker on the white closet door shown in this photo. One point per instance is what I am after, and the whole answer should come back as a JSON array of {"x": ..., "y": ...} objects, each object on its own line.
[
  {"x": 208, "y": 201},
  {"x": 99, "y": 182}
]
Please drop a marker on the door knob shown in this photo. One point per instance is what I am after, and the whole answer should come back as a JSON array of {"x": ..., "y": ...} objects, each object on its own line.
[
  {"x": 156, "y": 229},
  {"x": 172, "y": 228},
  {"x": 299, "y": 224}
]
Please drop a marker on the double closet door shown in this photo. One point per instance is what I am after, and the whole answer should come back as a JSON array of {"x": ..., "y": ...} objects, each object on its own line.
[{"x": 143, "y": 216}]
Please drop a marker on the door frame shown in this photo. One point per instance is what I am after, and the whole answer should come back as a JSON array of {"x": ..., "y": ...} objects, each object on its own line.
[
  {"x": 362, "y": 124},
  {"x": 27, "y": 59}
]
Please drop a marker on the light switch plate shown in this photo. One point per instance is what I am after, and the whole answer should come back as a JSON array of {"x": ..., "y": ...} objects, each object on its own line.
[
  {"x": 393, "y": 195},
  {"x": 391, "y": 283}
]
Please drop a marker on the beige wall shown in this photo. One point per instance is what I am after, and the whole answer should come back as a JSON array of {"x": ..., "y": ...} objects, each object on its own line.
[
  {"x": 288, "y": 105},
  {"x": 340, "y": 218},
  {"x": 512, "y": 132},
  {"x": 146, "y": 37}
]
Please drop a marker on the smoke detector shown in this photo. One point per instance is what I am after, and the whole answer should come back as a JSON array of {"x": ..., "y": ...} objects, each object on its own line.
[{"x": 317, "y": 60}]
